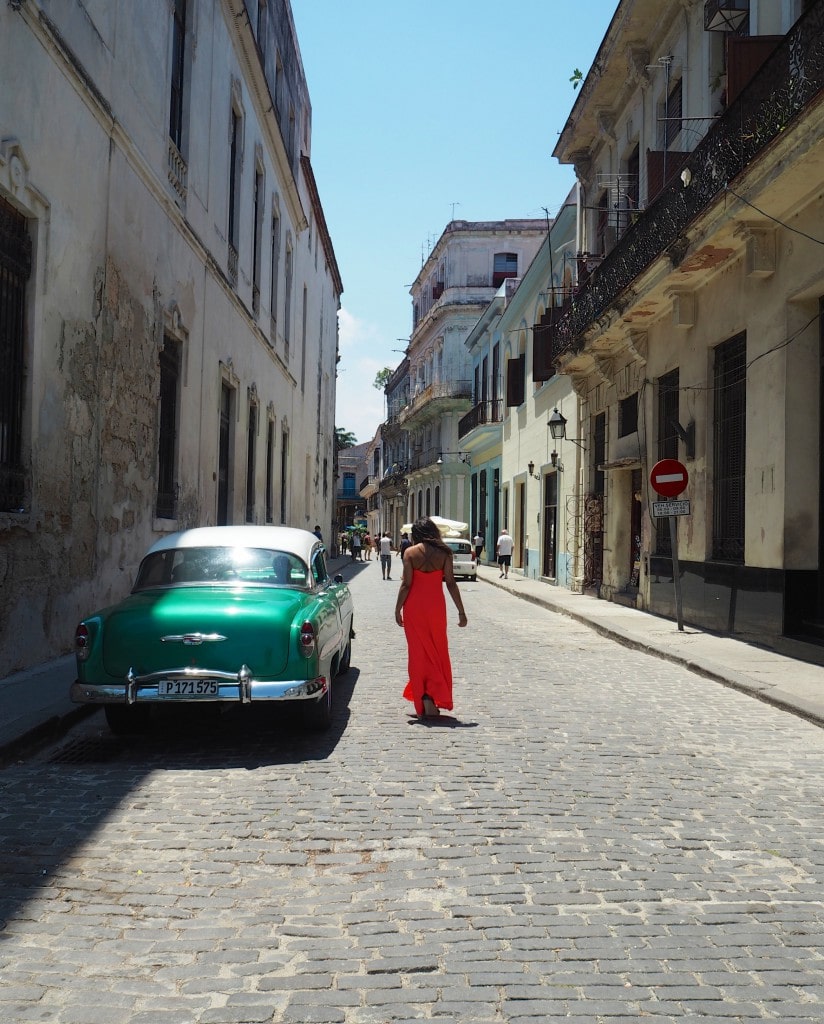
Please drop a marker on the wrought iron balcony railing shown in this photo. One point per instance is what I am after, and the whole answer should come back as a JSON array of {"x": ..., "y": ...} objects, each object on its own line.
[
  {"x": 775, "y": 98},
  {"x": 483, "y": 413}
]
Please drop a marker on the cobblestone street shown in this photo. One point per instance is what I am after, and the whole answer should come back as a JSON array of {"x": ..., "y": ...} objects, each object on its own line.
[{"x": 596, "y": 835}]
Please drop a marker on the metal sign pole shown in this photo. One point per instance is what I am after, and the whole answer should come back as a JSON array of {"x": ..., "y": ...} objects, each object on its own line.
[{"x": 676, "y": 572}]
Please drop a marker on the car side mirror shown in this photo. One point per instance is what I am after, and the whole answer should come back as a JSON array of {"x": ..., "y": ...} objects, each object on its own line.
[{"x": 338, "y": 577}]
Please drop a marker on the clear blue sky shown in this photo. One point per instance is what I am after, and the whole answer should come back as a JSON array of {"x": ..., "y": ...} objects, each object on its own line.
[{"x": 418, "y": 105}]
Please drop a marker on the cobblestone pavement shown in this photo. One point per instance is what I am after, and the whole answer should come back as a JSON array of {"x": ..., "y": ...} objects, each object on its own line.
[{"x": 597, "y": 835}]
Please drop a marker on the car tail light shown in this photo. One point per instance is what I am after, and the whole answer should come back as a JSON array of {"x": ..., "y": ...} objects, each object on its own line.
[
  {"x": 81, "y": 642},
  {"x": 307, "y": 639}
]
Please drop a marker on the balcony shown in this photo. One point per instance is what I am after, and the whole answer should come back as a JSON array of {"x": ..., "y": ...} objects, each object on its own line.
[
  {"x": 433, "y": 401},
  {"x": 789, "y": 80},
  {"x": 393, "y": 483},
  {"x": 485, "y": 414},
  {"x": 369, "y": 486},
  {"x": 424, "y": 459}
]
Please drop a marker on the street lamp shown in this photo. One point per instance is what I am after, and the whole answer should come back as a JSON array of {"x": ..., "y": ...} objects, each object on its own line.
[
  {"x": 557, "y": 428},
  {"x": 463, "y": 456},
  {"x": 531, "y": 470}
]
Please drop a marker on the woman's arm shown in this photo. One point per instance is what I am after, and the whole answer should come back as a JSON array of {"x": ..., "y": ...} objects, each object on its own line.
[
  {"x": 452, "y": 587},
  {"x": 403, "y": 590}
]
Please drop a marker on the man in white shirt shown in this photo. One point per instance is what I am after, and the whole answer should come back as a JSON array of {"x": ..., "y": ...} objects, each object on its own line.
[
  {"x": 503, "y": 549},
  {"x": 386, "y": 556}
]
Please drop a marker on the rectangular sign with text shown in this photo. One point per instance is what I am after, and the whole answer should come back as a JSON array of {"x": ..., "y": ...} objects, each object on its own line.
[{"x": 670, "y": 508}]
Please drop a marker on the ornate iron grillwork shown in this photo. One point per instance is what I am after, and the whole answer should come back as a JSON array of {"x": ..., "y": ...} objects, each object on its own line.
[
  {"x": 483, "y": 413},
  {"x": 789, "y": 80},
  {"x": 593, "y": 540}
]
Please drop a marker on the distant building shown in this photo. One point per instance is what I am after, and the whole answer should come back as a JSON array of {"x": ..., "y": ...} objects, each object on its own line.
[
  {"x": 466, "y": 267},
  {"x": 168, "y": 296}
]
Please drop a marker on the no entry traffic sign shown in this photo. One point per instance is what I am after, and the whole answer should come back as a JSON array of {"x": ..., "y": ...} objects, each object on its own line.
[{"x": 669, "y": 478}]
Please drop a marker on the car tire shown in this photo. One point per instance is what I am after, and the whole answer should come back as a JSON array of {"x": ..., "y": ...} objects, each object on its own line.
[
  {"x": 317, "y": 716},
  {"x": 346, "y": 660},
  {"x": 125, "y": 719}
]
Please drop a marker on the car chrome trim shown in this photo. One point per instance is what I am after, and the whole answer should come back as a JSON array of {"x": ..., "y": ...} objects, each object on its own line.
[
  {"x": 240, "y": 686},
  {"x": 192, "y": 639}
]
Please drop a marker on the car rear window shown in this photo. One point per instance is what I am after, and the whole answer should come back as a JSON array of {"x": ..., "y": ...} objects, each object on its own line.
[
  {"x": 459, "y": 547},
  {"x": 221, "y": 565}
]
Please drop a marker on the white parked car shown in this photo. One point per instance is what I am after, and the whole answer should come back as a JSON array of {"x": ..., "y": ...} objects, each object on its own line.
[{"x": 463, "y": 558}]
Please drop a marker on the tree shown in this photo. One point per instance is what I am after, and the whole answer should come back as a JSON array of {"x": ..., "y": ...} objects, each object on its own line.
[
  {"x": 382, "y": 378},
  {"x": 344, "y": 438}
]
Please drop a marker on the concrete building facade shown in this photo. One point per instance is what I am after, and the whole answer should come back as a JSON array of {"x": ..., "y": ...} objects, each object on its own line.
[
  {"x": 695, "y": 332},
  {"x": 170, "y": 295}
]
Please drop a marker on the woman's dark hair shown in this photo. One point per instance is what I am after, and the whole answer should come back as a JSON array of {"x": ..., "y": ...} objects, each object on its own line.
[{"x": 425, "y": 530}]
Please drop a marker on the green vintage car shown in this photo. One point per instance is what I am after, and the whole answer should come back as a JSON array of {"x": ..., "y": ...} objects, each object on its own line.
[{"x": 222, "y": 613}]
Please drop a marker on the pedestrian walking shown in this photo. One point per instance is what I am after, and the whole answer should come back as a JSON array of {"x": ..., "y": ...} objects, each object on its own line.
[
  {"x": 386, "y": 556},
  {"x": 404, "y": 544},
  {"x": 478, "y": 541},
  {"x": 503, "y": 549},
  {"x": 367, "y": 546},
  {"x": 356, "y": 546},
  {"x": 421, "y": 610},
  {"x": 318, "y": 533}
]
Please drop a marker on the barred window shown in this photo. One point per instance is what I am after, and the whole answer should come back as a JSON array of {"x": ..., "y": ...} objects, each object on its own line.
[
  {"x": 15, "y": 267},
  {"x": 628, "y": 415},
  {"x": 599, "y": 451},
  {"x": 729, "y": 463},
  {"x": 167, "y": 447}
]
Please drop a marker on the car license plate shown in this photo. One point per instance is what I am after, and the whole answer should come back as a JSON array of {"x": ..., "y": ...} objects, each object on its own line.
[{"x": 188, "y": 688}]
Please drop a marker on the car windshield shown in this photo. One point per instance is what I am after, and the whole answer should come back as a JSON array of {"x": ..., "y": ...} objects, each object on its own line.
[{"x": 221, "y": 565}]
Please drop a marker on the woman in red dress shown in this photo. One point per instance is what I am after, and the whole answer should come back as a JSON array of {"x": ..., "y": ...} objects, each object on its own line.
[{"x": 421, "y": 610}]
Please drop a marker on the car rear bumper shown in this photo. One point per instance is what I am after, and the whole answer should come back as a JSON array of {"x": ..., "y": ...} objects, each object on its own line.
[{"x": 197, "y": 685}]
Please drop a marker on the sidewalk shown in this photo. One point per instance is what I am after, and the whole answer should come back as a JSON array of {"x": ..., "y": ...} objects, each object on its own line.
[{"x": 34, "y": 705}]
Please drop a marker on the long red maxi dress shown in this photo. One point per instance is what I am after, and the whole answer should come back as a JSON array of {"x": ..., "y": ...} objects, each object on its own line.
[{"x": 424, "y": 622}]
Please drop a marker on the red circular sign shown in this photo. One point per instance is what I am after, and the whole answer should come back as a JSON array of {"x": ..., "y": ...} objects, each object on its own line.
[{"x": 669, "y": 478}]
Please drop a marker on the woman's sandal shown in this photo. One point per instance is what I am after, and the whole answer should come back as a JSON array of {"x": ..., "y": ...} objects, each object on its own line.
[{"x": 430, "y": 709}]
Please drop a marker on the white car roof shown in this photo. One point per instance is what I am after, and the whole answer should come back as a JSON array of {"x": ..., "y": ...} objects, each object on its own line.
[{"x": 275, "y": 538}]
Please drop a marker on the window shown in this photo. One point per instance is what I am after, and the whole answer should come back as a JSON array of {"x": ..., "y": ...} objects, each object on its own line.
[
  {"x": 273, "y": 285},
  {"x": 167, "y": 446},
  {"x": 504, "y": 265},
  {"x": 599, "y": 451},
  {"x": 628, "y": 415},
  {"x": 251, "y": 440},
  {"x": 437, "y": 499},
  {"x": 270, "y": 471},
  {"x": 178, "y": 72},
  {"x": 672, "y": 115},
  {"x": 15, "y": 267},
  {"x": 349, "y": 488},
  {"x": 667, "y": 418},
  {"x": 261, "y": 22},
  {"x": 284, "y": 473},
  {"x": 515, "y": 386},
  {"x": 304, "y": 310},
  {"x": 234, "y": 196},
  {"x": 729, "y": 462},
  {"x": 224, "y": 471},
  {"x": 257, "y": 232},
  {"x": 287, "y": 312}
]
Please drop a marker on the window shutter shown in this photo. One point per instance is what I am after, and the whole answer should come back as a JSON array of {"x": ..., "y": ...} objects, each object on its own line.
[
  {"x": 515, "y": 382},
  {"x": 542, "y": 368}
]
